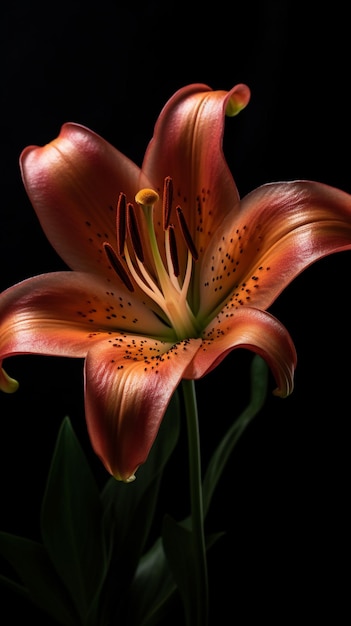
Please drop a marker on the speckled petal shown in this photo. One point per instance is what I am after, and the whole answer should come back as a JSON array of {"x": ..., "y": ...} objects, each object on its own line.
[
  {"x": 254, "y": 330},
  {"x": 64, "y": 313},
  {"x": 187, "y": 145},
  {"x": 281, "y": 229},
  {"x": 129, "y": 383}
]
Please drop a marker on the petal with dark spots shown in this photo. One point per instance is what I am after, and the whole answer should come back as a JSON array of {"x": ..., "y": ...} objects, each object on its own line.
[
  {"x": 254, "y": 330},
  {"x": 129, "y": 383}
]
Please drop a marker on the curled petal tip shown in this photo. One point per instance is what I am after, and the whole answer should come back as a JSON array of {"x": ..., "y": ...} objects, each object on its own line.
[
  {"x": 7, "y": 384},
  {"x": 238, "y": 100},
  {"x": 284, "y": 393},
  {"x": 130, "y": 479}
]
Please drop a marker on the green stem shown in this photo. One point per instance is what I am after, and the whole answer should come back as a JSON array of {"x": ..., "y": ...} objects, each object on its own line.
[{"x": 196, "y": 497}]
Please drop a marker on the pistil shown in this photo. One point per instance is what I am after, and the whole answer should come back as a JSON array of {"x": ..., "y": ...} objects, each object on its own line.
[
  {"x": 163, "y": 285},
  {"x": 170, "y": 294}
]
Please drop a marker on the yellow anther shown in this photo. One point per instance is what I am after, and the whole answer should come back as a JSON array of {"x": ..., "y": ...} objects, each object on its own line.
[{"x": 147, "y": 197}]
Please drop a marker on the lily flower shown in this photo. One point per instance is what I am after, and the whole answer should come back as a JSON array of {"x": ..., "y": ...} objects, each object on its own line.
[{"x": 169, "y": 270}]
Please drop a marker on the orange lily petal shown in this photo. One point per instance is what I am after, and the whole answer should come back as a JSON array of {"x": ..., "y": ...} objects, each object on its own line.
[
  {"x": 254, "y": 330},
  {"x": 187, "y": 145},
  {"x": 74, "y": 183},
  {"x": 129, "y": 383},
  {"x": 278, "y": 231},
  {"x": 64, "y": 313}
]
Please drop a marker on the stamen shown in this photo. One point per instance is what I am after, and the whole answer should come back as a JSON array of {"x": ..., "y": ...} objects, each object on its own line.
[
  {"x": 186, "y": 234},
  {"x": 121, "y": 223},
  {"x": 133, "y": 231},
  {"x": 173, "y": 250},
  {"x": 163, "y": 285},
  {"x": 143, "y": 279},
  {"x": 117, "y": 266},
  {"x": 187, "y": 277},
  {"x": 167, "y": 201}
]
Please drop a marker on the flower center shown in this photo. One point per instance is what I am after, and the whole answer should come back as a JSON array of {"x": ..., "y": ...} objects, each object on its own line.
[{"x": 157, "y": 275}]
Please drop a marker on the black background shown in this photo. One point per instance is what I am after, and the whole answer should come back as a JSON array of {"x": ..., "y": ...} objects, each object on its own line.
[{"x": 112, "y": 66}]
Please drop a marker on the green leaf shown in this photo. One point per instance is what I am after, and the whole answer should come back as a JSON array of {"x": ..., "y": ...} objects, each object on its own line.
[
  {"x": 259, "y": 380},
  {"x": 40, "y": 583},
  {"x": 71, "y": 522},
  {"x": 129, "y": 511},
  {"x": 179, "y": 549},
  {"x": 15, "y": 587},
  {"x": 152, "y": 589}
]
